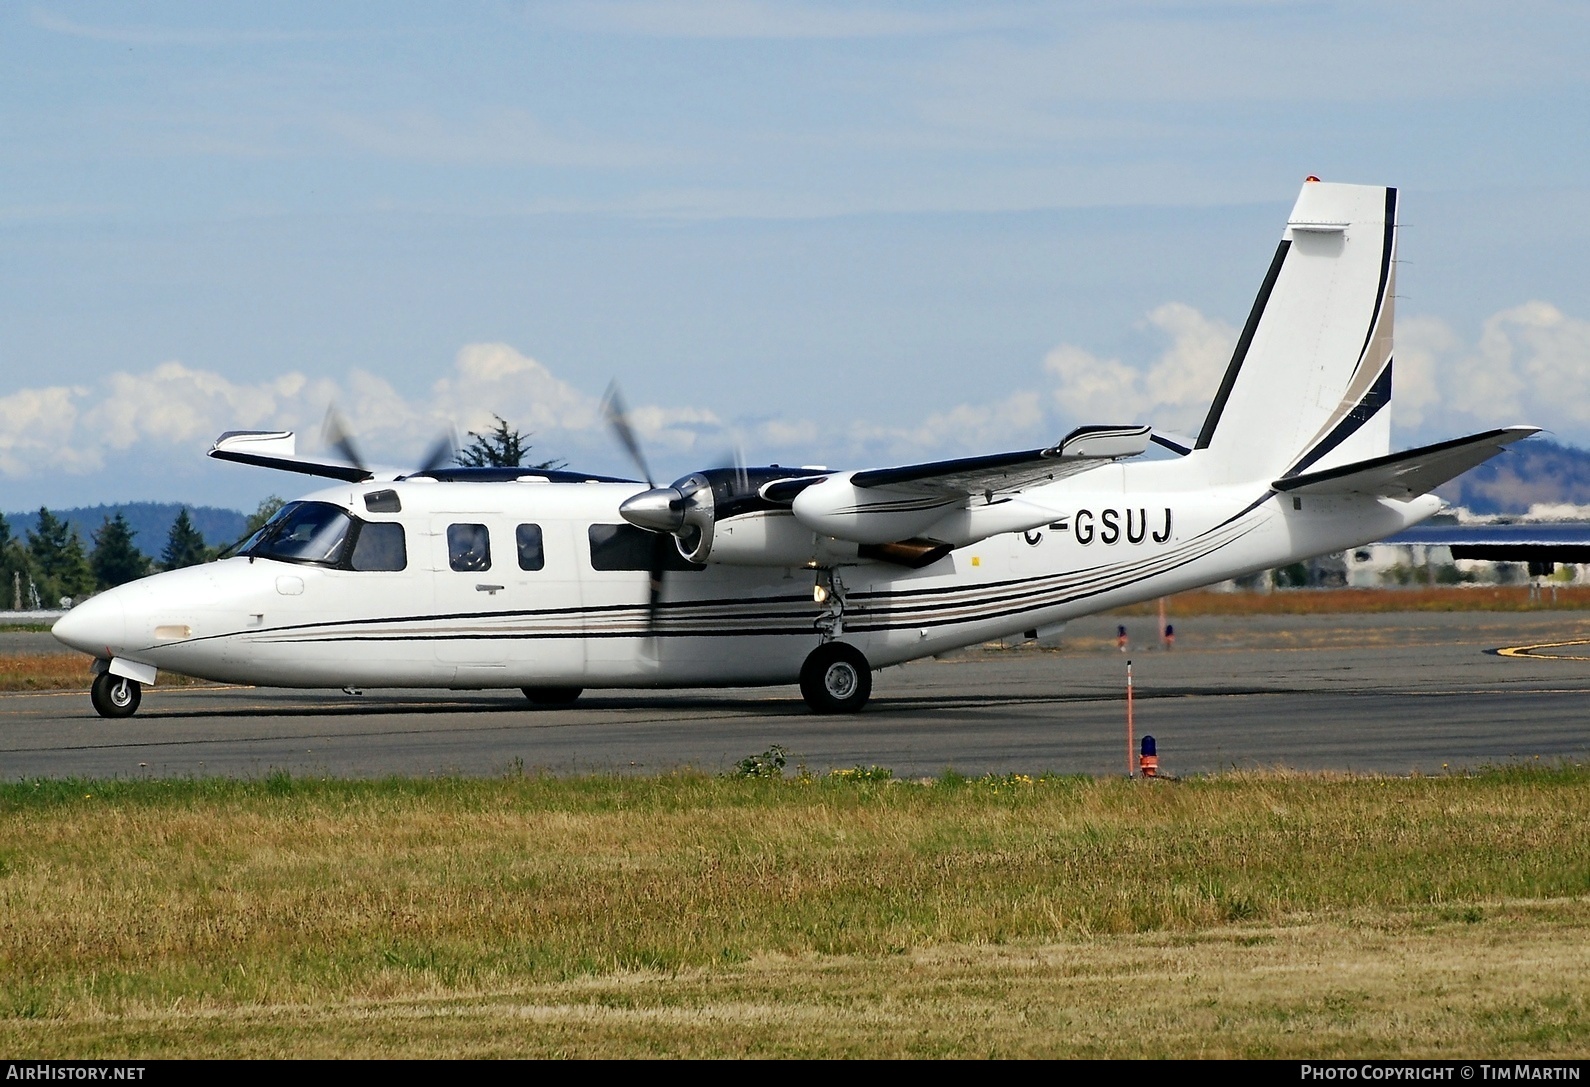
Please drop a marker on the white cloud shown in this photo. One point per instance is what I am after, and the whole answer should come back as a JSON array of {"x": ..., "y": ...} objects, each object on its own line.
[
  {"x": 1172, "y": 391},
  {"x": 1528, "y": 364}
]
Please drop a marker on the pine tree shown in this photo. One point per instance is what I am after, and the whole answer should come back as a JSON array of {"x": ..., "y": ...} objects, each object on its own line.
[
  {"x": 267, "y": 509},
  {"x": 15, "y": 571},
  {"x": 184, "y": 545},
  {"x": 55, "y": 551},
  {"x": 115, "y": 560},
  {"x": 501, "y": 447}
]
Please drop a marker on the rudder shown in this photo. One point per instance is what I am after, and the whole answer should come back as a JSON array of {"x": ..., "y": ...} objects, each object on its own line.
[{"x": 1309, "y": 384}]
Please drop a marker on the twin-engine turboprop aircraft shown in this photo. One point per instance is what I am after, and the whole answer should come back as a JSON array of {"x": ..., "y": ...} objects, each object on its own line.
[{"x": 554, "y": 581}]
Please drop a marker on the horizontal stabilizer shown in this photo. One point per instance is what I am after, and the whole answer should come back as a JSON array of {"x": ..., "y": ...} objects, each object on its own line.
[
  {"x": 1084, "y": 448},
  {"x": 277, "y": 449},
  {"x": 1408, "y": 474}
]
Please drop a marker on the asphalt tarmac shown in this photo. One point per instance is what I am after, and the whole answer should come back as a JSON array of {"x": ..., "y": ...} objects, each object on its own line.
[{"x": 1417, "y": 692}]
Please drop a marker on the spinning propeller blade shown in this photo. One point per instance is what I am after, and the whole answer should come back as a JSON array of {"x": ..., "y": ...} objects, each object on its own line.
[
  {"x": 336, "y": 434},
  {"x": 617, "y": 416},
  {"x": 442, "y": 453}
]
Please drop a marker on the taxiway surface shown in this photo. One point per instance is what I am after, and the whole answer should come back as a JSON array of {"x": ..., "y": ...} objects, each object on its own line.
[{"x": 1390, "y": 693}]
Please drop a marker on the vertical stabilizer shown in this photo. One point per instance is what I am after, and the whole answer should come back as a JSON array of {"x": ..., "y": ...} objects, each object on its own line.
[{"x": 1309, "y": 385}]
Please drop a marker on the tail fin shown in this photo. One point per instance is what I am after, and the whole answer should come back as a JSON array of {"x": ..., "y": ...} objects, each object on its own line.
[{"x": 1309, "y": 385}]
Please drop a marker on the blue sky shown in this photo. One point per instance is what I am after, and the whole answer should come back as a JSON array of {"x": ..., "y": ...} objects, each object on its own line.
[{"x": 835, "y": 233}]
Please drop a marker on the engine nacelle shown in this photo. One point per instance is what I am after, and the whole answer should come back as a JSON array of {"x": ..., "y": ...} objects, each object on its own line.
[
  {"x": 773, "y": 538},
  {"x": 868, "y": 515}
]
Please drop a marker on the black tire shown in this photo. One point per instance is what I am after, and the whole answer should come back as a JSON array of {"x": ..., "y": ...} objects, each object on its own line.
[
  {"x": 836, "y": 678},
  {"x": 552, "y": 696},
  {"x": 115, "y": 696}
]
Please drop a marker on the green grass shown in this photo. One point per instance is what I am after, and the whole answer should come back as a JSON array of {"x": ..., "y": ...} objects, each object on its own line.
[{"x": 278, "y": 915}]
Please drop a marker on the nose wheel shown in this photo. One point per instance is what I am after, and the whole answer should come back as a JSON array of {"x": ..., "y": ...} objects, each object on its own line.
[
  {"x": 115, "y": 696},
  {"x": 836, "y": 679}
]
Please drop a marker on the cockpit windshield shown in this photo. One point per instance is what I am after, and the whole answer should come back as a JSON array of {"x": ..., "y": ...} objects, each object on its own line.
[{"x": 302, "y": 532}]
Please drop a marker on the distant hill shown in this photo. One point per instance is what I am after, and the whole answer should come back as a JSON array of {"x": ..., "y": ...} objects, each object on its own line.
[
  {"x": 1531, "y": 471},
  {"x": 150, "y": 521}
]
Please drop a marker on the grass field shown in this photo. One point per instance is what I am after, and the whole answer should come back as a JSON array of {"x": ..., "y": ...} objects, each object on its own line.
[
  {"x": 60, "y": 672},
  {"x": 1263, "y": 915}
]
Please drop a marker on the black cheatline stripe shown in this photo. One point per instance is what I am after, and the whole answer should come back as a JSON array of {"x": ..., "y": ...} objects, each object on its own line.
[
  {"x": 1378, "y": 396},
  {"x": 1385, "y": 271},
  {"x": 1206, "y": 435},
  {"x": 1036, "y": 605},
  {"x": 893, "y": 603},
  {"x": 906, "y": 505},
  {"x": 1074, "y": 585},
  {"x": 596, "y": 609},
  {"x": 1108, "y": 576},
  {"x": 1104, "y": 579}
]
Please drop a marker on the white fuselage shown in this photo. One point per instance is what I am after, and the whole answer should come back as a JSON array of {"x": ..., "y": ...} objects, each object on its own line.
[{"x": 1119, "y": 534}]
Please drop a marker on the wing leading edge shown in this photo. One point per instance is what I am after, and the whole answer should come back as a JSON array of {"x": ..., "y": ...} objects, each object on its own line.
[{"x": 1084, "y": 448}]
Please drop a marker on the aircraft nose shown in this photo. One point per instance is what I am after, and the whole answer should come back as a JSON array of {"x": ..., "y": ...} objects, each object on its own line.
[{"x": 97, "y": 626}]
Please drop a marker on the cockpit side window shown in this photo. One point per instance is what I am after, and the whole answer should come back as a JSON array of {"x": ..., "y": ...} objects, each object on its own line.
[
  {"x": 313, "y": 532},
  {"x": 380, "y": 545},
  {"x": 383, "y": 502},
  {"x": 468, "y": 548}
]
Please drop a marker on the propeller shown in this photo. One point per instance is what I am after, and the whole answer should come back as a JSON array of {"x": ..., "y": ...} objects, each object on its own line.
[
  {"x": 338, "y": 435},
  {"x": 653, "y": 509},
  {"x": 617, "y": 416},
  {"x": 443, "y": 452},
  {"x": 682, "y": 515}
]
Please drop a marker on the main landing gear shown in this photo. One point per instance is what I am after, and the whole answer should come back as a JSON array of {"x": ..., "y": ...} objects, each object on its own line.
[
  {"x": 552, "y": 696},
  {"x": 115, "y": 696},
  {"x": 836, "y": 679}
]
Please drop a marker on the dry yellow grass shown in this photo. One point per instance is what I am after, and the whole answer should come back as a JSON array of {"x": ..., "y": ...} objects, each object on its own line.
[
  {"x": 1511, "y": 984},
  {"x": 1282, "y": 915},
  {"x": 60, "y": 672}
]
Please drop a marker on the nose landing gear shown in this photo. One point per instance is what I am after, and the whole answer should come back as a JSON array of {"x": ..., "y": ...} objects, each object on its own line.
[{"x": 115, "y": 696}]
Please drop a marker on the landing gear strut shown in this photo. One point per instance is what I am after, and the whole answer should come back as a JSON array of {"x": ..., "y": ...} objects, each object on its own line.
[
  {"x": 115, "y": 696},
  {"x": 836, "y": 679}
]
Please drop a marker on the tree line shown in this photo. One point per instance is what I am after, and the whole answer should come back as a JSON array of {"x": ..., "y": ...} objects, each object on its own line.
[{"x": 52, "y": 562}]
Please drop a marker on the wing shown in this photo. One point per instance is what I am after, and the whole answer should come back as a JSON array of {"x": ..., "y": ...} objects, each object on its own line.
[
  {"x": 999, "y": 473},
  {"x": 1408, "y": 474},
  {"x": 951, "y": 501},
  {"x": 278, "y": 449}
]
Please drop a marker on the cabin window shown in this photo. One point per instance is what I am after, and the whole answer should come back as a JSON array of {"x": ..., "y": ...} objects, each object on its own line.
[
  {"x": 625, "y": 547},
  {"x": 531, "y": 556},
  {"x": 383, "y": 502},
  {"x": 380, "y": 546},
  {"x": 303, "y": 532},
  {"x": 468, "y": 548}
]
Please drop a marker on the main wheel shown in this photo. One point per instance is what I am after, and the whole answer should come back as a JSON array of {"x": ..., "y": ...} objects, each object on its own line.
[
  {"x": 836, "y": 679},
  {"x": 115, "y": 696},
  {"x": 552, "y": 696}
]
